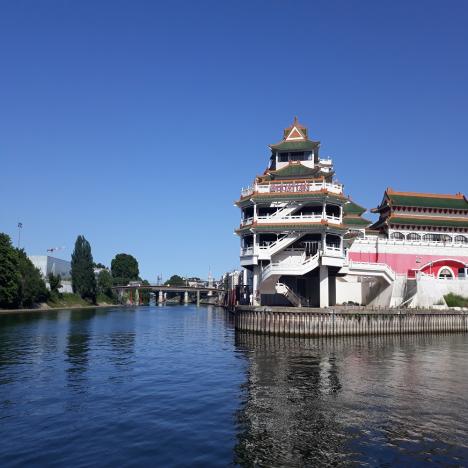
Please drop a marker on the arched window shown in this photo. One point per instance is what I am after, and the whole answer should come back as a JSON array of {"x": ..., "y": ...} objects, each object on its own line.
[
  {"x": 413, "y": 237},
  {"x": 432, "y": 237},
  {"x": 445, "y": 273},
  {"x": 397, "y": 236},
  {"x": 461, "y": 239}
]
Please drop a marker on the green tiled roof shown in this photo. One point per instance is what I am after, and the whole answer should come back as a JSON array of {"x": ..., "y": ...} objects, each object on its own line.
[
  {"x": 420, "y": 221},
  {"x": 353, "y": 208},
  {"x": 294, "y": 170},
  {"x": 428, "y": 202},
  {"x": 355, "y": 221},
  {"x": 302, "y": 145}
]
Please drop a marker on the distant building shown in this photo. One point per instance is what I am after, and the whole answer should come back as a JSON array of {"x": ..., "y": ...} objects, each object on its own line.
[{"x": 47, "y": 264}]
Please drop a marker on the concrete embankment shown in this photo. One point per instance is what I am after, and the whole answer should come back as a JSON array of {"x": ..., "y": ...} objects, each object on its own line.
[{"x": 289, "y": 321}]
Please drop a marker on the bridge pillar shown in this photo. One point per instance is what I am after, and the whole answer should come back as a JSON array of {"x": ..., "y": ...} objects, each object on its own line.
[
  {"x": 160, "y": 297},
  {"x": 324, "y": 294},
  {"x": 186, "y": 297},
  {"x": 137, "y": 297},
  {"x": 198, "y": 298}
]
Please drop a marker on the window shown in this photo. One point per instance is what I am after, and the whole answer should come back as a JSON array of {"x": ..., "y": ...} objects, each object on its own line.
[
  {"x": 461, "y": 239},
  {"x": 432, "y": 237},
  {"x": 413, "y": 237},
  {"x": 283, "y": 157},
  {"x": 397, "y": 236},
  {"x": 445, "y": 273}
]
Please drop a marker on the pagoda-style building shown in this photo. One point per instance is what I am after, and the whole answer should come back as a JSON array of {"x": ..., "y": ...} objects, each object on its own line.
[
  {"x": 294, "y": 219},
  {"x": 305, "y": 243},
  {"x": 418, "y": 233}
]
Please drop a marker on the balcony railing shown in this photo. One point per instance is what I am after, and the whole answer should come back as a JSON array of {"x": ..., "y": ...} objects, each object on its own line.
[
  {"x": 292, "y": 187},
  {"x": 318, "y": 217}
]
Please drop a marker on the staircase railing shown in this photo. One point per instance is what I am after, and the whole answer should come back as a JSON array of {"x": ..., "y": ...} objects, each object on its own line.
[{"x": 290, "y": 295}]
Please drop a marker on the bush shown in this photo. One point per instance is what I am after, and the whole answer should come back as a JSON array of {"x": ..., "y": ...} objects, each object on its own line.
[{"x": 454, "y": 300}]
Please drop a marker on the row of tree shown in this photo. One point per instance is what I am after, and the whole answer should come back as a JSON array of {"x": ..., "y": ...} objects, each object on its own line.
[
  {"x": 22, "y": 285},
  {"x": 124, "y": 268}
]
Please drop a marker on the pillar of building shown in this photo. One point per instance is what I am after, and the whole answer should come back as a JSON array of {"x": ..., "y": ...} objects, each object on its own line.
[
  {"x": 186, "y": 297},
  {"x": 255, "y": 285},
  {"x": 323, "y": 277},
  {"x": 160, "y": 297},
  {"x": 244, "y": 277}
]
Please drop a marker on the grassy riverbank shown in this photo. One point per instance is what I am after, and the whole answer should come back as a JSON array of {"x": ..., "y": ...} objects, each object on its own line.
[{"x": 67, "y": 301}]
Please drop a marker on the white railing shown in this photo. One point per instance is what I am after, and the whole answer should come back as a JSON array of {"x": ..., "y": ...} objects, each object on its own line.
[
  {"x": 289, "y": 294},
  {"x": 367, "y": 267},
  {"x": 247, "y": 250},
  {"x": 246, "y": 221},
  {"x": 299, "y": 218},
  {"x": 292, "y": 187},
  {"x": 298, "y": 267},
  {"x": 375, "y": 239}
]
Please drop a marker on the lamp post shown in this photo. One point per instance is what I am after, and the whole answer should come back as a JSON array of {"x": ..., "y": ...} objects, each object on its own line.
[{"x": 20, "y": 226}]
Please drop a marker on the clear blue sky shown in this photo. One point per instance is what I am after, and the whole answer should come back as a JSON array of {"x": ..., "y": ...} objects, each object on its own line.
[{"x": 136, "y": 123}]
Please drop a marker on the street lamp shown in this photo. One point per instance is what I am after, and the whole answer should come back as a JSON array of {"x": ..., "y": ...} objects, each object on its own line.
[{"x": 20, "y": 226}]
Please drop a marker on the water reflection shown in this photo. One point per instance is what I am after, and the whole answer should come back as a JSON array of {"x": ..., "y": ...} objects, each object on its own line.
[
  {"x": 352, "y": 400},
  {"x": 78, "y": 347}
]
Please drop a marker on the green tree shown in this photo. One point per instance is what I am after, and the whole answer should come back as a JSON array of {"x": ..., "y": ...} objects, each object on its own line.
[
  {"x": 55, "y": 283},
  {"x": 175, "y": 280},
  {"x": 82, "y": 271},
  {"x": 124, "y": 268},
  {"x": 33, "y": 287},
  {"x": 10, "y": 278},
  {"x": 145, "y": 293},
  {"x": 104, "y": 282}
]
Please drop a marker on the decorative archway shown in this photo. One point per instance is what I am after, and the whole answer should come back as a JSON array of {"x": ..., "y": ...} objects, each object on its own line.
[{"x": 445, "y": 273}]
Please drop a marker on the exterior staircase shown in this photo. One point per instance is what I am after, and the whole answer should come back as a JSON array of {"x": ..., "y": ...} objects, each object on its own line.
[
  {"x": 280, "y": 244},
  {"x": 381, "y": 270},
  {"x": 294, "y": 298},
  {"x": 303, "y": 265}
]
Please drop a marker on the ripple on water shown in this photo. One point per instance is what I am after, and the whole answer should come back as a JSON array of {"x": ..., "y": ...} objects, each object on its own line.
[{"x": 176, "y": 386}]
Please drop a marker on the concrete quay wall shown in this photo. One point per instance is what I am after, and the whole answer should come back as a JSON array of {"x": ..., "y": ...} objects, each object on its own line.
[{"x": 289, "y": 321}]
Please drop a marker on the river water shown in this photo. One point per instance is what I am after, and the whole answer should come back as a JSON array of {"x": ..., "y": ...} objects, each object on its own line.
[{"x": 176, "y": 386}]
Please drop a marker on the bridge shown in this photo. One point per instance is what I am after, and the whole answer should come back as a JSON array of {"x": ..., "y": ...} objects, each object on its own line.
[{"x": 161, "y": 290}]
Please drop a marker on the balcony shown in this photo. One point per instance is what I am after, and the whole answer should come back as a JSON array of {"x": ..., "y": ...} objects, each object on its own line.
[
  {"x": 292, "y": 187},
  {"x": 296, "y": 219}
]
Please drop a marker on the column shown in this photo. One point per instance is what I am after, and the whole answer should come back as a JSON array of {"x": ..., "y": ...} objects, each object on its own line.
[
  {"x": 255, "y": 285},
  {"x": 324, "y": 239},
  {"x": 198, "y": 298},
  {"x": 255, "y": 212},
  {"x": 186, "y": 297},
  {"x": 324, "y": 211},
  {"x": 137, "y": 297},
  {"x": 323, "y": 276},
  {"x": 160, "y": 297},
  {"x": 244, "y": 277}
]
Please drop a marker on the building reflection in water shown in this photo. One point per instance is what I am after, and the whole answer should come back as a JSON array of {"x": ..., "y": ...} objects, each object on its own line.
[{"x": 314, "y": 402}]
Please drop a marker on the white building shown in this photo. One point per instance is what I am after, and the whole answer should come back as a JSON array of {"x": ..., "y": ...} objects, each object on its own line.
[{"x": 47, "y": 264}]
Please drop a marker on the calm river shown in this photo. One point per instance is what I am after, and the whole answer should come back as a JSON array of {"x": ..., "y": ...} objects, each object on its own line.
[{"x": 176, "y": 386}]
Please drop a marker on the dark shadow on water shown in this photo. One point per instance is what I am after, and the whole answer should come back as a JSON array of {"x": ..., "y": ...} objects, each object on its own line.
[{"x": 77, "y": 351}]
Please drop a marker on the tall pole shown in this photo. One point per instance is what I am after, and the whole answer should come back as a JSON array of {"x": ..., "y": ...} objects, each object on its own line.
[{"x": 20, "y": 226}]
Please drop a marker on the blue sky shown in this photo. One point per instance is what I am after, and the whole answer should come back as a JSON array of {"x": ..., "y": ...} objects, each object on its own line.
[{"x": 136, "y": 123}]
